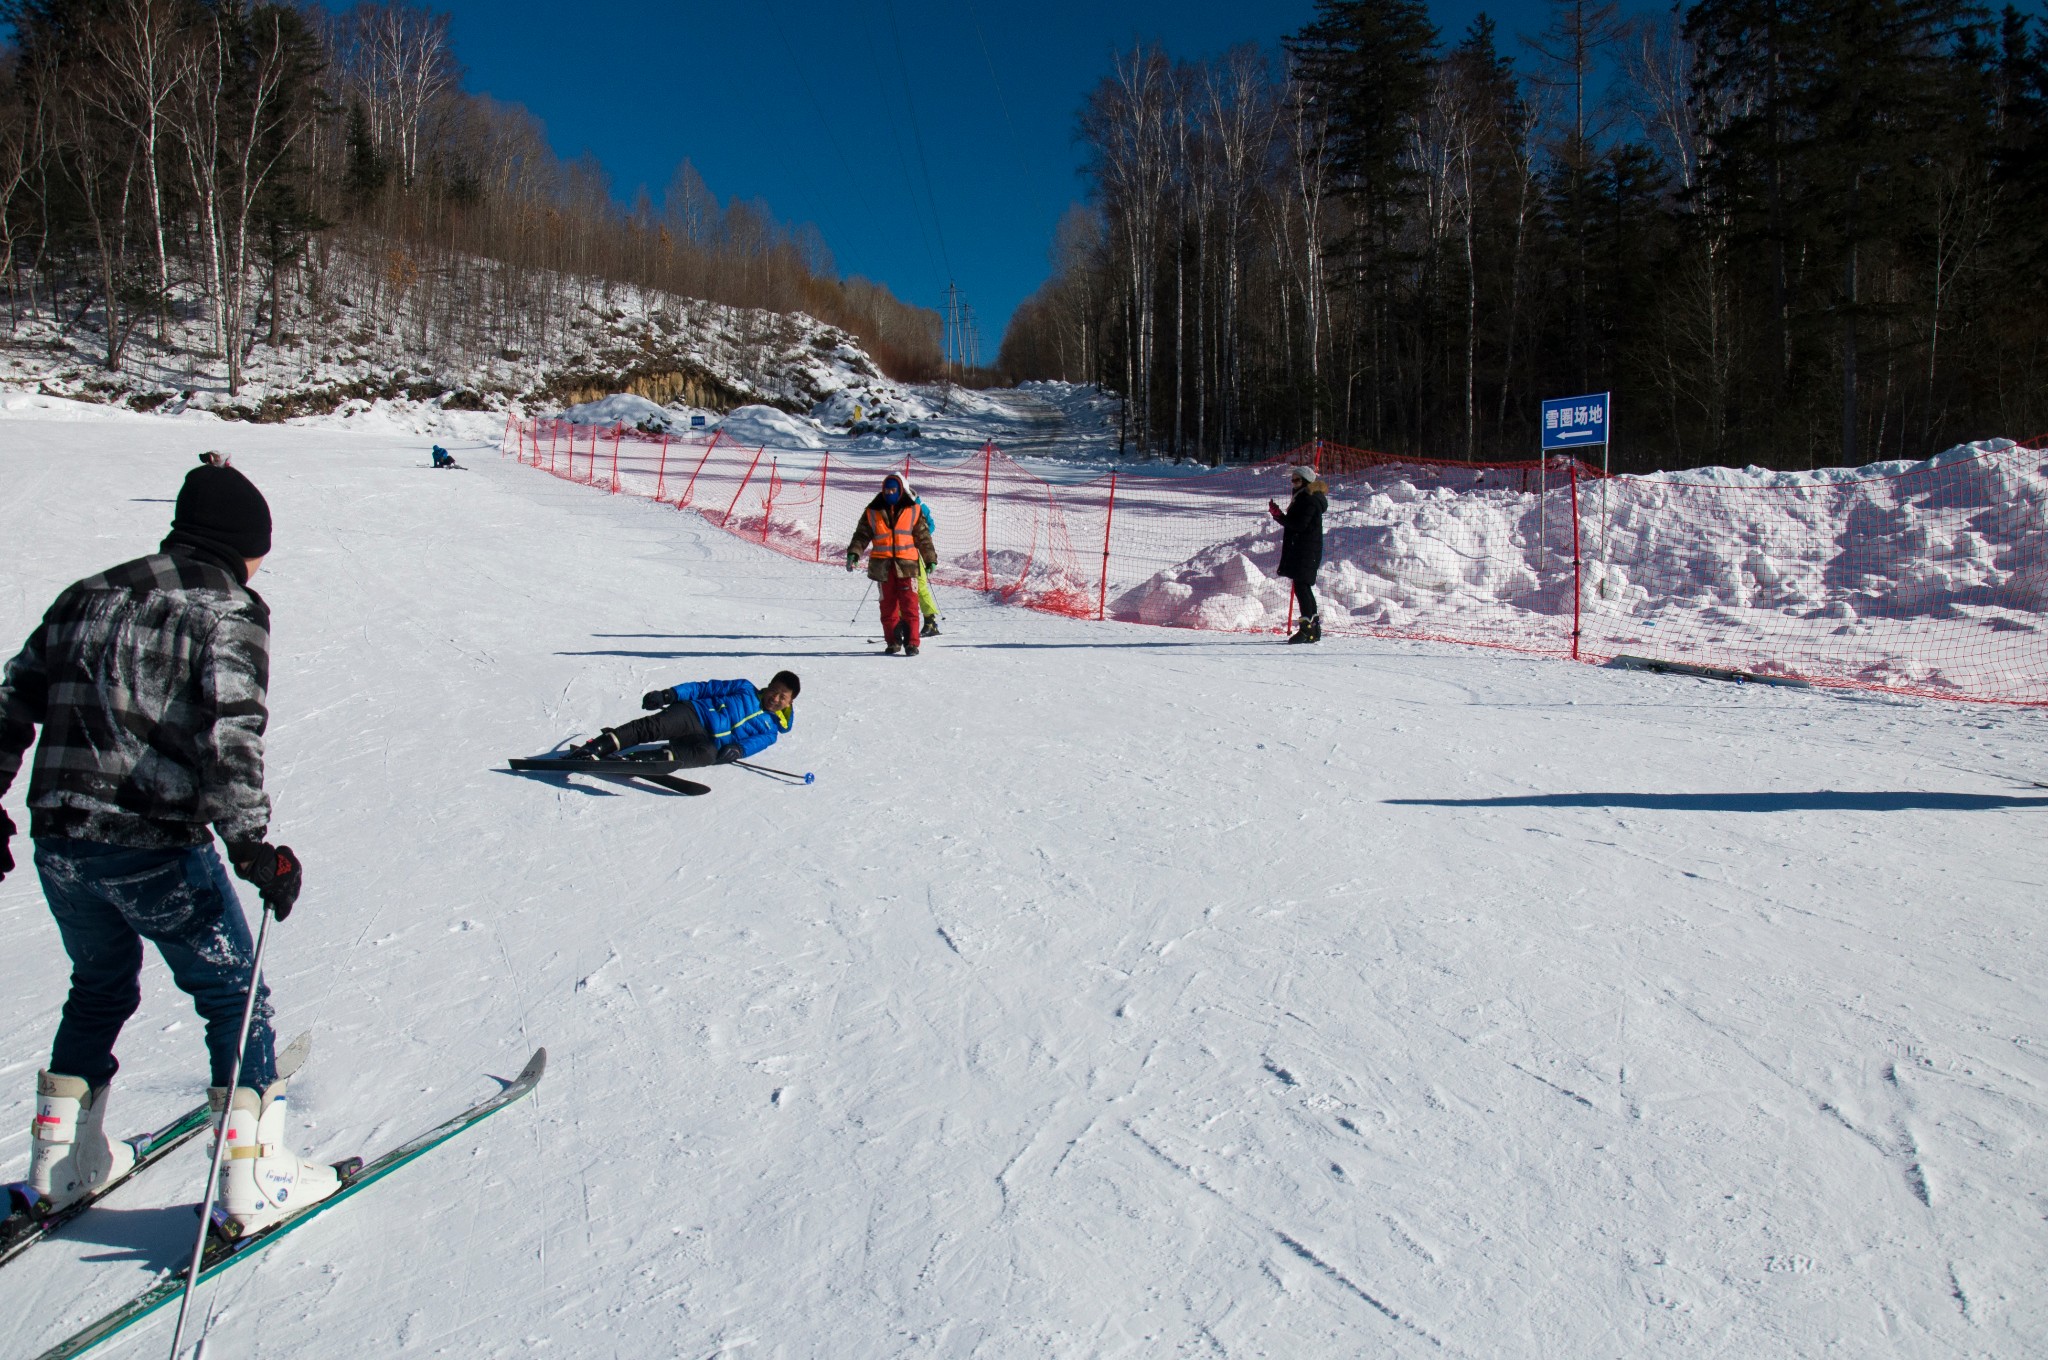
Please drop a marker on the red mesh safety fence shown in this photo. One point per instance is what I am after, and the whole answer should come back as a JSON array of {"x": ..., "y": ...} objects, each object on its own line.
[{"x": 1926, "y": 579}]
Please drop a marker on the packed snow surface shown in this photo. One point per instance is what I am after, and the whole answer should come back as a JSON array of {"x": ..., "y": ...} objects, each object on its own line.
[{"x": 1111, "y": 993}]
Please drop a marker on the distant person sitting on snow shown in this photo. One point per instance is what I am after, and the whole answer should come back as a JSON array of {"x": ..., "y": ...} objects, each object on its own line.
[
  {"x": 705, "y": 722},
  {"x": 1301, "y": 545},
  {"x": 443, "y": 458},
  {"x": 148, "y": 681},
  {"x": 924, "y": 585},
  {"x": 892, "y": 532}
]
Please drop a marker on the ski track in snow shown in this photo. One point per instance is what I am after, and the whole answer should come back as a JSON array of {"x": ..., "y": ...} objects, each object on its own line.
[{"x": 1098, "y": 999}]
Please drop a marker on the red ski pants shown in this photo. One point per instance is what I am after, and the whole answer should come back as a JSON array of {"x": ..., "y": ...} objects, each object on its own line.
[{"x": 899, "y": 605}]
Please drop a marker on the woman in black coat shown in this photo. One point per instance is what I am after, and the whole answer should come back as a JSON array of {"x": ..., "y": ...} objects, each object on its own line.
[{"x": 1301, "y": 546}]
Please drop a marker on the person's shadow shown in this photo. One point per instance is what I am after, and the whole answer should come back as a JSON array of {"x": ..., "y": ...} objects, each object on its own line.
[
  {"x": 1818, "y": 800},
  {"x": 160, "y": 1238}
]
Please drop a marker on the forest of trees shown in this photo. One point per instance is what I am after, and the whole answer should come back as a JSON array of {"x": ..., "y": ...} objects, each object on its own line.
[
  {"x": 1786, "y": 232},
  {"x": 158, "y": 156}
]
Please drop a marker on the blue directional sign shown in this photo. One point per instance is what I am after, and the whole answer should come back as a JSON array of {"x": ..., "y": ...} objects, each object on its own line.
[{"x": 1569, "y": 422}]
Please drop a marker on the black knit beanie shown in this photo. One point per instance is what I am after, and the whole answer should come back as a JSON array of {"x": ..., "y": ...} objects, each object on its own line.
[{"x": 219, "y": 508}]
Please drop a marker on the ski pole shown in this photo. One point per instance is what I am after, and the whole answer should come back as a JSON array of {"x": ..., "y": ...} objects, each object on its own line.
[
  {"x": 220, "y": 1133},
  {"x": 805, "y": 778},
  {"x": 863, "y": 601}
]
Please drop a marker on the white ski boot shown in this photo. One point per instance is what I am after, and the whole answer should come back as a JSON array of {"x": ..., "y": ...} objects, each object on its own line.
[
  {"x": 70, "y": 1154},
  {"x": 262, "y": 1182}
]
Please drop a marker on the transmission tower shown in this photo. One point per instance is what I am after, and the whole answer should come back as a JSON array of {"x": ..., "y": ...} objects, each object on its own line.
[{"x": 962, "y": 340}]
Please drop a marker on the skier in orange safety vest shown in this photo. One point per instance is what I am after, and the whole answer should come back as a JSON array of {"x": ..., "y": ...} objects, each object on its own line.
[{"x": 893, "y": 533}]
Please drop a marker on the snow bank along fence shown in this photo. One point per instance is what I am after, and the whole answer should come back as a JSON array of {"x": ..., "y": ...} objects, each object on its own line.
[{"x": 1932, "y": 580}]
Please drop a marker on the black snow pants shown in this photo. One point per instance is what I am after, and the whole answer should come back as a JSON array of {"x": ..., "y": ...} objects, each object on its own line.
[
  {"x": 1305, "y": 594},
  {"x": 680, "y": 727}
]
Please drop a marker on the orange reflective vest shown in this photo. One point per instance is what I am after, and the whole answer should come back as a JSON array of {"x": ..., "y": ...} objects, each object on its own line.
[{"x": 898, "y": 539}]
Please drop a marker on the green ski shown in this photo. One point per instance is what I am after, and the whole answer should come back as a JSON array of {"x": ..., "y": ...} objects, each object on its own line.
[{"x": 220, "y": 1254}]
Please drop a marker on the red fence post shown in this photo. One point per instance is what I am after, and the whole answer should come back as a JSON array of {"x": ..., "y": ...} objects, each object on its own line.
[
  {"x": 684, "y": 499},
  {"x": 988, "y": 453},
  {"x": 768, "y": 506},
  {"x": 1102, "y": 596},
  {"x": 743, "y": 485},
  {"x": 618, "y": 432},
  {"x": 661, "y": 473},
  {"x": 824, "y": 477},
  {"x": 1575, "y": 558},
  {"x": 554, "y": 433}
]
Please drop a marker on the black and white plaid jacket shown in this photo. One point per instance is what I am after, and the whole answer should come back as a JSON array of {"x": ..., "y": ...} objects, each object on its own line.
[{"x": 148, "y": 681}]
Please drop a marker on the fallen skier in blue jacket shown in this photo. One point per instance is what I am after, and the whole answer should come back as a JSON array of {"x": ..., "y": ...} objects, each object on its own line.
[{"x": 705, "y": 722}]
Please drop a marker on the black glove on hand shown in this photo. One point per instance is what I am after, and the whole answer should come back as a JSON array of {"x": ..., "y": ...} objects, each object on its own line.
[
  {"x": 657, "y": 698},
  {"x": 275, "y": 871},
  {"x": 6, "y": 835},
  {"x": 728, "y": 754},
  {"x": 852, "y": 561}
]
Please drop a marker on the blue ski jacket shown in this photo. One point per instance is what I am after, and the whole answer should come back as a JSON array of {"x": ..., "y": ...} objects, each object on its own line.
[{"x": 732, "y": 714}]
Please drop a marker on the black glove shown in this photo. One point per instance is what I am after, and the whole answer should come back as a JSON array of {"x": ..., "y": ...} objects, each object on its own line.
[
  {"x": 852, "y": 560},
  {"x": 728, "y": 754},
  {"x": 275, "y": 871},
  {"x": 6, "y": 835},
  {"x": 657, "y": 698}
]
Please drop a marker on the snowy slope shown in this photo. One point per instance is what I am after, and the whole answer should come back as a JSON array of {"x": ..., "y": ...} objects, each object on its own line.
[
  {"x": 1112, "y": 992},
  {"x": 342, "y": 353}
]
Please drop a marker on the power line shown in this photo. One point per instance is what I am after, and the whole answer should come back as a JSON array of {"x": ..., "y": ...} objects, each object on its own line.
[
  {"x": 910, "y": 102},
  {"x": 896, "y": 137},
  {"x": 996, "y": 82}
]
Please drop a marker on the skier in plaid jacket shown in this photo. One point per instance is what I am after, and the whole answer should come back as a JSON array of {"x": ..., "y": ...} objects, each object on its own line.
[{"x": 149, "y": 683}]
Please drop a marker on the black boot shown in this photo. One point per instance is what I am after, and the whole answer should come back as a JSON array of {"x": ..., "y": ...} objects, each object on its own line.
[
  {"x": 1300, "y": 634},
  {"x": 1315, "y": 627},
  {"x": 931, "y": 625},
  {"x": 896, "y": 636},
  {"x": 600, "y": 747}
]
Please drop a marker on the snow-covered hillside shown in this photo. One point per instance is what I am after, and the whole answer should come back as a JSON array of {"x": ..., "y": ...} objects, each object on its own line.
[
  {"x": 341, "y": 355},
  {"x": 1112, "y": 992}
]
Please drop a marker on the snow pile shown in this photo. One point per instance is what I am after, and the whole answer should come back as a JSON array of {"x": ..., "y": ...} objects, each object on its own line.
[
  {"x": 402, "y": 416},
  {"x": 1397, "y": 554},
  {"x": 1749, "y": 563},
  {"x": 1059, "y": 422},
  {"x": 876, "y": 404},
  {"x": 638, "y": 413},
  {"x": 764, "y": 426},
  {"x": 40, "y": 406}
]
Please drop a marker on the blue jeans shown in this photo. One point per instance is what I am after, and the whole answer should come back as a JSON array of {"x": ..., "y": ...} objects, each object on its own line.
[{"x": 107, "y": 900}]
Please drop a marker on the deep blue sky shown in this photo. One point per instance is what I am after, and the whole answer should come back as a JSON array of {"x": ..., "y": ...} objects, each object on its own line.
[{"x": 803, "y": 104}]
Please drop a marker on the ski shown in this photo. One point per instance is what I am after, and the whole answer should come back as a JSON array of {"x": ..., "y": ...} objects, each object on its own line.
[
  {"x": 650, "y": 770},
  {"x": 689, "y": 788},
  {"x": 22, "y": 1229},
  {"x": 222, "y": 1253}
]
